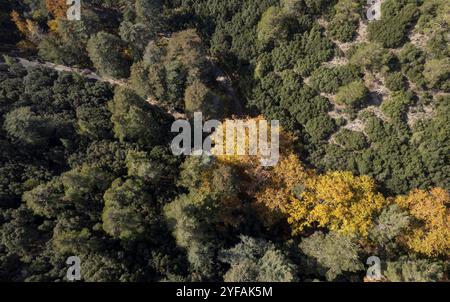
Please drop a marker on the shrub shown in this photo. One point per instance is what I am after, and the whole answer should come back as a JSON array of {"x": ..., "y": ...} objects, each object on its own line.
[
  {"x": 352, "y": 95},
  {"x": 395, "y": 81}
]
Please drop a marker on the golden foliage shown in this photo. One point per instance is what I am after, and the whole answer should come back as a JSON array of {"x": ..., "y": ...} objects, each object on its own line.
[
  {"x": 58, "y": 8},
  {"x": 432, "y": 236},
  {"x": 20, "y": 24},
  {"x": 280, "y": 191},
  {"x": 27, "y": 27},
  {"x": 53, "y": 25},
  {"x": 339, "y": 201}
]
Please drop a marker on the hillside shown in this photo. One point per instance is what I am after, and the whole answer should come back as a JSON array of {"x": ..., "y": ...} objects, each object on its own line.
[{"x": 87, "y": 168}]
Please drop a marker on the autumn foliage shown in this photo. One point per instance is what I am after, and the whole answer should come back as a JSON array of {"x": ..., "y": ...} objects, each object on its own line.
[
  {"x": 431, "y": 235},
  {"x": 27, "y": 27},
  {"x": 58, "y": 8},
  {"x": 338, "y": 201}
]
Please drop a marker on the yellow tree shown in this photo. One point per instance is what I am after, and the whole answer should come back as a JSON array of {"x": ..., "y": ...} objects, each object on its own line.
[
  {"x": 432, "y": 235},
  {"x": 338, "y": 201},
  {"x": 27, "y": 27},
  {"x": 58, "y": 8},
  {"x": 281, "y": 189},
  {"x": 20, "y": 23}
]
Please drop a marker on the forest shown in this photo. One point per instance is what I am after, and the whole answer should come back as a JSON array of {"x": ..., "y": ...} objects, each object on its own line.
[{"x": 86, "y": 108}]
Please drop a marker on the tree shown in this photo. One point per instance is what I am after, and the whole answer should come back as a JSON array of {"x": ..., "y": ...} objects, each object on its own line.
[
  {"x": 210, "y": 208},
  {"x": 199, "y": 98},
  {"x": 320, "y": 127},
  {"x": 412, "y": 60},
  {"x": 437, "y": 73},
  {"x": 345, "y": 22},
  {"x": 20, "y": 234},
  {"x": 27, "y": 127},
  {"x": 432, "y": 236},
  {"x": 72, "y": 236},
  {"x": 352, "y": 95},
  {"x": 414, "y": 270},
  {"x": 58, "y": 8},
  {"x": 187, "y": 217},
  {"x": 396, "y": 107},
  {"x": 83, "y": 189},
  {"x": 335, "y": 254},
  {"x": 392, "y": 222},
  {"x": 137, "y": 36},
  {"x": 351, "y": 140},
  {"x": 285, "y": 184},
  {"x": 46, "y": 199},
  {"x": 149, "y": 13},
  {"x": 137, "y": 121},
  {"x": 101, "y": 267},
  {"x": 157, "y": 167},
  {"x": 390, "y": 31},
  {"x": 129, "y": 212},
  {"x": 271, "y": 26},
  {"x": 256, "y": 260},
  {"x": 328, "y": 80},
  {"x": 395, "y": 81},
  {"x": 94, "y": 122},
  {"x": 174, "y": 71},
  {"x": 339, "y": 201},
  {"x": 369, "y": 55},
  {"x": 106, "y": 52}
]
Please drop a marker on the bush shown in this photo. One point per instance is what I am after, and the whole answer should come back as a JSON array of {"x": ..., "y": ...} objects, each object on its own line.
[
  {"x": 369, "y": 55},
  {"x": 352, "y": 95},
  {"x": 106, "y": 52},
  {"x": 345, "y": 22},
  {"x": 328, "y": 80},
  {"x": 391, "y": 30},
  {"x": 396, "y": 107},
  {"x": 320, "y": 127},
  {"x": 351, "y": 140},
  {"x": 437, "y": 73},
  {"x": 395, "y": 81}
]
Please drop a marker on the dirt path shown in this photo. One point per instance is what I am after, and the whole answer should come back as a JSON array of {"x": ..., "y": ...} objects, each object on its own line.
[
  {"x": 86, "y": 73},
  {"x": 220, "y": 76},
  {"x": 89, "y": 74}
]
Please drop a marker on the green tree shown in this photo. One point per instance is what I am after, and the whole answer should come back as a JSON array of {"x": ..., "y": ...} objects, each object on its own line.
[
  {"x": 129, "y": 211},
  {"x": 352, "y": 95},
  {"x": 137, "y": 121},
  {"x": 256, "y": 260},
  {"x": 391, "y": 223},
  {"x": 345, "y": 22},
  {"x": 106, "y": 52},
  {"x": 27, "y": 127},
  {"x": 199, "y": 98},
  {"x": 437, "y": 73},
  {"x": 46, "y": 199},
  {"x": 391, "y": 30},
  {"x": 272, "y": 26},
  {"x": 414, "y": 270},
  {"x": 94, "y": 122},
  {"x": 334, "y": 253}
]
